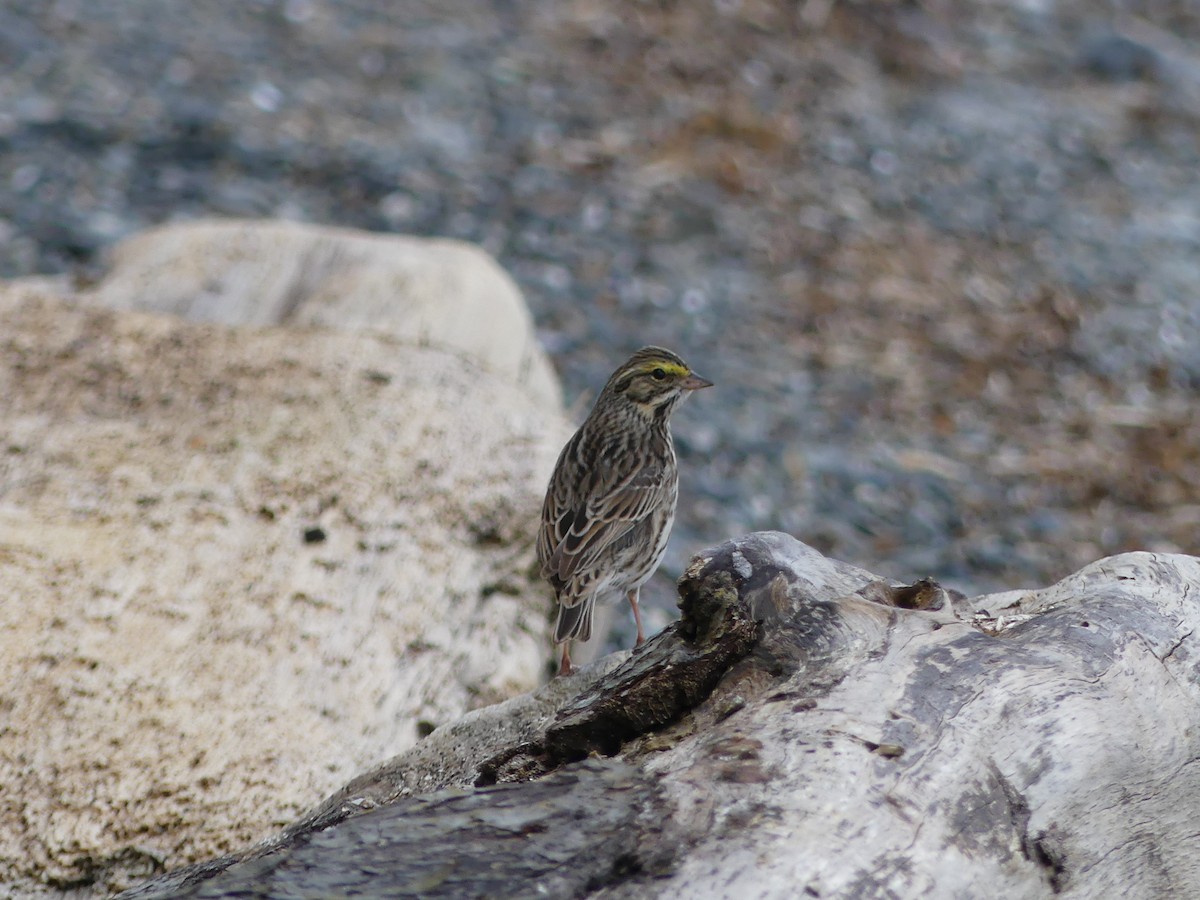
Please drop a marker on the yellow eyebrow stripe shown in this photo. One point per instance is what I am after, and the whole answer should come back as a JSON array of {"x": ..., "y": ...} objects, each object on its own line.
[{"x": 669, "y": 367}]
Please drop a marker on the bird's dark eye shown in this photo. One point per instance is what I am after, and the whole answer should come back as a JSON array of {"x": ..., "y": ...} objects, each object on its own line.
[{"x": 658, "y": 374}]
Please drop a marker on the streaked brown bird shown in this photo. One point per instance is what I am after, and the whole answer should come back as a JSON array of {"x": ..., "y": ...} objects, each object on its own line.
[{"x": 611, "y": 500}]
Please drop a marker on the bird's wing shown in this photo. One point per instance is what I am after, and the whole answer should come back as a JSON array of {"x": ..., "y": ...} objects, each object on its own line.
[{"x": 584, "y": 530}]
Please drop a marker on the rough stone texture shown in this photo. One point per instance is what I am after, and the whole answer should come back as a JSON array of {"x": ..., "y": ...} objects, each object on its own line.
[
  {"x": 438, "y": 293},
  {"x": 240, "y": 564},
  {"x": 875, "y": 740}
]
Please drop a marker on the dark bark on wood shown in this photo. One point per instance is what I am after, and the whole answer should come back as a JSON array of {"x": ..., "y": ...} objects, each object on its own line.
[
  {"x": 806, "y": 727},
  {"x": 509, "y": 840}
]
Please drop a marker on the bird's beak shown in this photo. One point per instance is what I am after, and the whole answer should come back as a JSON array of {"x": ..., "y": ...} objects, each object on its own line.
[{"x": 694, "y": 382}]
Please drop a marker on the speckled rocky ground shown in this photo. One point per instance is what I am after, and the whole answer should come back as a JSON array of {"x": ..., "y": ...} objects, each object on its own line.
[{"x": 940, "y": 257}]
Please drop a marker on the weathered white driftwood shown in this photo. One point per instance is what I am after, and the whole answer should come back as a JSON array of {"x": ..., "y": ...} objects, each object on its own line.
[{"x": 805, "y": 730}]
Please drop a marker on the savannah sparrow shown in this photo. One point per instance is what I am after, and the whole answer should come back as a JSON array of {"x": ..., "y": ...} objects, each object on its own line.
[{"x": 611, "y": 500}]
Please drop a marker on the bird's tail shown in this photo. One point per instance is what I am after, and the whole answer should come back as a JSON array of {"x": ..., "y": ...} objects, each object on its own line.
[{"x": 574, "y": 622}]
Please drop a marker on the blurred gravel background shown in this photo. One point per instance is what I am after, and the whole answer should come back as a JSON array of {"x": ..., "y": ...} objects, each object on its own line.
[{"x": 940, "y": 256}]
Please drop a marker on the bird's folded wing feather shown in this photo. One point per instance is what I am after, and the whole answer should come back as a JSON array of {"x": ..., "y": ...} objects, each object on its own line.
[{"x": 584, "y": 534}]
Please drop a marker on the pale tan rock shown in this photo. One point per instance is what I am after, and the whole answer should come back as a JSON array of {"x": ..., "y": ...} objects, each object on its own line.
[
  {"x": 437, "y": 292},
  {"x": 180, "y": 671}
]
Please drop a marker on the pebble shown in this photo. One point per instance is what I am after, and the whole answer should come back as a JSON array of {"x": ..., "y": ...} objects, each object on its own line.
[{"x": 738, "y": 195}]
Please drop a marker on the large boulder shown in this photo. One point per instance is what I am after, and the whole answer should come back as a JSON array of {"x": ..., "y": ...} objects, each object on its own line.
[
  {"x": 240, "y": 564},
  {"x": 430, "y": 292}
]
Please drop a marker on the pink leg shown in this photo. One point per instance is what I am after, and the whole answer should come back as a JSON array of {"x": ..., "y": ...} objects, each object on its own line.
[
  {"x": 637, "y": 615},
  {"x": 564, "y": 664}
]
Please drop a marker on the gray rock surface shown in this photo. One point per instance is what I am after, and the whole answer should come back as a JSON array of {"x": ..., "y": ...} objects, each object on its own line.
[{"x": 432, "y": 293}]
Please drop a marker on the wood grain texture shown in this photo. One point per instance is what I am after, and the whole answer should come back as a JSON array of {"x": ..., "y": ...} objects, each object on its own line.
[{"x": 1024, "y": 744}]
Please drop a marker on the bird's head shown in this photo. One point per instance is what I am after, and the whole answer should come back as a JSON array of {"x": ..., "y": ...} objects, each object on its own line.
[{"x": 655, "y": 381}]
